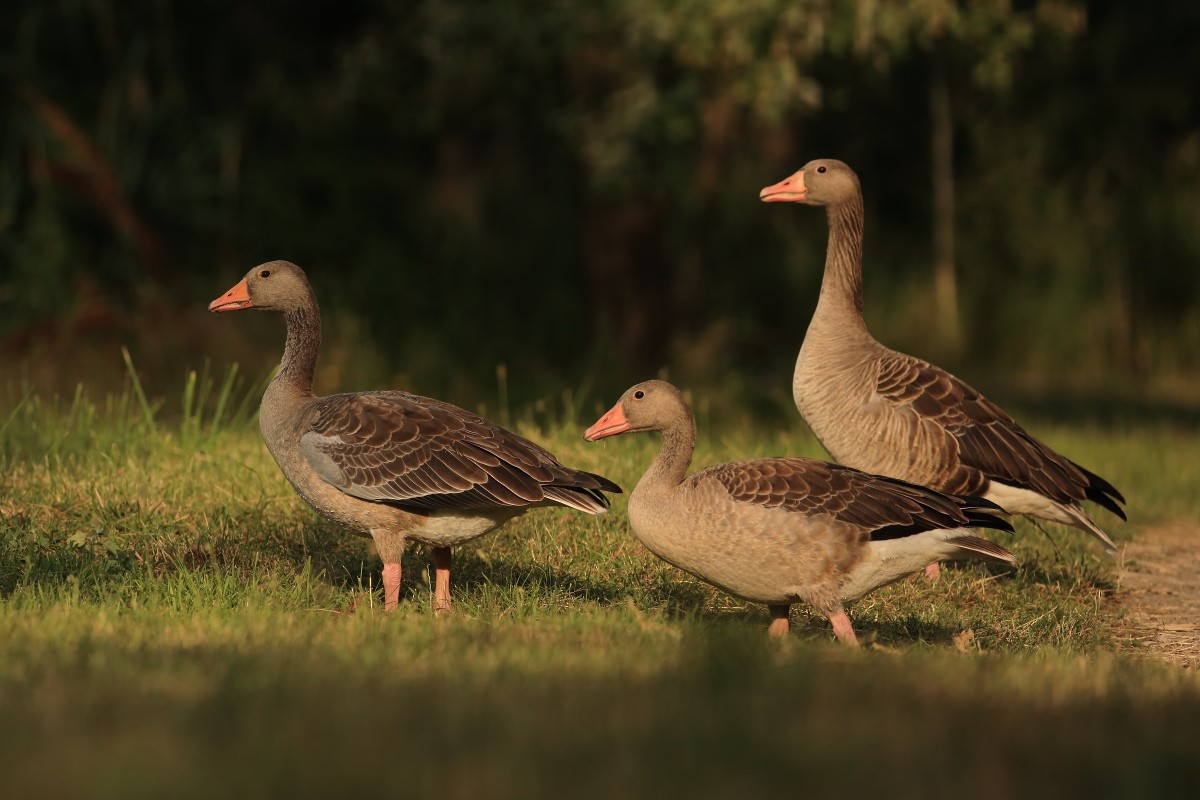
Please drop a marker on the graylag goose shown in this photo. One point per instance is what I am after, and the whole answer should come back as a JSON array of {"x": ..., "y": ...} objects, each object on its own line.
[
  {"x": 886, "y": 412},
  {"x": 784, "y": 530},
  {"x": 391, "y": 465}
]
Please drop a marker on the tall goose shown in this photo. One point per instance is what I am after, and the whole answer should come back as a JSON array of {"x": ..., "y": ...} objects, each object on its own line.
[
  {"x": 783, "y": 530},
  {"x": 392, "y": 465},
  {"x": 883, "y": 411}
]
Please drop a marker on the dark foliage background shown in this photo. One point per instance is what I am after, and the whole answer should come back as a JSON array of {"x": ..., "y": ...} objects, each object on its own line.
[{"x": 571, "y": 189}]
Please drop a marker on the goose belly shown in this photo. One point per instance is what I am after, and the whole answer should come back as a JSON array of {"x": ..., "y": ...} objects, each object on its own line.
[
  {"x": 448, "y": 528},
  {"x": 767, "y": 555}
]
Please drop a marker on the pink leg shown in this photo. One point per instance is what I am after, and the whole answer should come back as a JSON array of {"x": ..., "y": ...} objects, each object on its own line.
[
  {"x": 441, "y": 592},
  {"x": 391, "y": 586},
  {"x": 780, "y": 623},
  {"x": 932, "y": 571},
  {"x": 842, "y": 628}
]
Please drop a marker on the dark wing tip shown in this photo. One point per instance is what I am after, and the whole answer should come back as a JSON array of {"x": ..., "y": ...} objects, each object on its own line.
[
  {"x": 985, "y": 519},
  {"x": 605, "y": 484},
  {"x": 1100, "y": 485},
  {"x": 1107, "y": 502},
  {"x": 601, "y": 497},
  {"x": 974, "y": 502},
  {"x": 983, "y": 513},
  {"x": 1103, "y": 493}
]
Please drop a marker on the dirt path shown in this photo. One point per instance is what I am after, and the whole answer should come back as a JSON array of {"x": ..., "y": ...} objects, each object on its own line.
[{"x": 1160, "y": 588}]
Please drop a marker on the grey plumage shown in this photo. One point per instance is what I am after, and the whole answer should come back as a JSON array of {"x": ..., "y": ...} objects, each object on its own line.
[
  {"x": 783, "y": 530},
  {"x": 420, "y": 453},
  {"x": 890, "y": 413},
  {"x": 395, "y": 466}
]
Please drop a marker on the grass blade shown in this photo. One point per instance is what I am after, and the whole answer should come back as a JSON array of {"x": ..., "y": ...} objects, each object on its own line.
[{"x": 143, "y": 403}]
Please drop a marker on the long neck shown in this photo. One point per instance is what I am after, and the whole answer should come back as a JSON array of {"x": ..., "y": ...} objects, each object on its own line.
[
  {"x": 675, "y": 456},
  {"x": 841, "y": 289},
  {"x": 303, "y": 343}
]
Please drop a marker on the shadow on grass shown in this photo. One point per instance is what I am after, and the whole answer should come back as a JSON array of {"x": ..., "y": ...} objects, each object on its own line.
[
  {"x": 905, "y": 630},
  {"x": 314, "y": 553},
  {"x": 471, "y": 572},
  {"x": 687, "y": 603}
]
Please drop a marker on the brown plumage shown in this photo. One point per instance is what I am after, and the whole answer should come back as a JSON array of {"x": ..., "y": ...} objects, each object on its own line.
[
  {"x": 392, "y": 465},
  {"x": 886, "y": 412},
  {"x": 417, "y": 452},
  {"x": 783, "y": 530},
  {"x": 882, "y": 507}
]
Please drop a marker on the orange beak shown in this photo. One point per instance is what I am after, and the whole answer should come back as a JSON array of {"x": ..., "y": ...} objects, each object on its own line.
[
  {"x": 612, "y": 423},
  {"x": 788, "y": 190},
  {"x": 236, "y": 298}
]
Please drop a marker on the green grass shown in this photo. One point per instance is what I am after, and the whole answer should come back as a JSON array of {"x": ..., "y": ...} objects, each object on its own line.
[{"x": 176, "y": 623}]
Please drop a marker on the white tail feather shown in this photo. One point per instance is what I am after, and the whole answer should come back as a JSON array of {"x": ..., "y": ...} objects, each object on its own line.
[{"x": 1015, "y": 500}]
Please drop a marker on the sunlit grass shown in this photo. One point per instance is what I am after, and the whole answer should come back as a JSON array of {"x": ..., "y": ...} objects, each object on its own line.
[{"x": 176, "y": 623}]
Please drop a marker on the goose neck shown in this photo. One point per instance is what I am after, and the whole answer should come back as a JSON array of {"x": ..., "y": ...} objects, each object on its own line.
[
  {"x": 300, "y": 352},
  {"x": 675, "y": 455},
  {"x": 841, "y": 288}
]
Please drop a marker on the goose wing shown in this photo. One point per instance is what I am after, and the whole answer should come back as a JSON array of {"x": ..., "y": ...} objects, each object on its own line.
[
  {"x": 884, "y": 507},
  {"x": 416, "y": 452},
  {"x": 977, "y": 440}
]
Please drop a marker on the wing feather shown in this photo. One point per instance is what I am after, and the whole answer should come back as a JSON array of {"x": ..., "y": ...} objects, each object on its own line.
[
  {"x": 885, "y": 507},
  {"x": 978, "y": 440},
  {"x": 416, "y": 452}
]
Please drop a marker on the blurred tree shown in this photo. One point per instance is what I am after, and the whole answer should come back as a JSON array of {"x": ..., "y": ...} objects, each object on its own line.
[
  {"x": 969, "y": 51},
  {"x": 571, "y": 188},
  {"x": 1100, "y": 145},
  {"x": 663, "y": 95}
]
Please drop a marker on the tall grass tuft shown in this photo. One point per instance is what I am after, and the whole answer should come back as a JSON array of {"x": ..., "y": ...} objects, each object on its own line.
[{"x": 229, "y": 404}]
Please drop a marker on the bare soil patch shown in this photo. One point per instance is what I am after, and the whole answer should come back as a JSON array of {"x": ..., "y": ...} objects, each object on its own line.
[{"x": 1160, "y": 589}]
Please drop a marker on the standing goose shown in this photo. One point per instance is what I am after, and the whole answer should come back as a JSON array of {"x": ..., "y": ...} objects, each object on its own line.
[
  {"x": 783, "y": 530},
  {"x": 391, "y": 465},
  {"x": 879, "y": 410}
]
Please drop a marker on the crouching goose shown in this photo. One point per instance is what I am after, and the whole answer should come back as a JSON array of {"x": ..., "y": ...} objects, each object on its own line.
[
  {"x": 783, "y": 530},
  {"x": 887, "y": 412},
  {"x": 391, "y": 465}
]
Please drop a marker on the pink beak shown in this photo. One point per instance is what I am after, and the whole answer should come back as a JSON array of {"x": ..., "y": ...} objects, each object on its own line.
[
  {"x": 236, "y": 298},
  {"x": 788, "y": 190},
  {"x": 612, "y": 423}
]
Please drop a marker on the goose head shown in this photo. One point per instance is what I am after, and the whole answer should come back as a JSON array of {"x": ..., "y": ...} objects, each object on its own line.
[
  {"x": 647, "y": 406},
  {"x": 823, "y": 182},
  {"x": 273, "y": 286}
]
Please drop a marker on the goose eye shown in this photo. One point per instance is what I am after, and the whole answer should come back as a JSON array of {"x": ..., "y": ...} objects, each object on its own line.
[
  {"x": 639, "y": 394},
  {"x": 266, "y": 273},
  {"x": 821, "y": 170}
]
